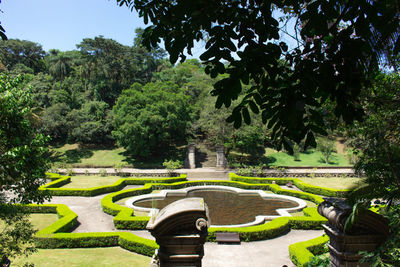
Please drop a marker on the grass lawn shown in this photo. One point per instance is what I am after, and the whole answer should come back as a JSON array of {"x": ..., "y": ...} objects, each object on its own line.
[
  {"x": 42, "y": 220},
  {"x": 38, "y": 220},
  {"x": 334, "y": 182},
  {"x": 311, "y": 158},
  {"x": 75, "y": 155},
  {"x": 87, "y": 181},
  {"x": 84, "y": 257},
  {"x": 301, "y": 213}
]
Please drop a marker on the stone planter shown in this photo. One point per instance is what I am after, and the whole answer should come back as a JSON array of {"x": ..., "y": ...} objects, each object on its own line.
[
  {"x": 369, "y": 231},
  {"x": 181, "y": 230}
]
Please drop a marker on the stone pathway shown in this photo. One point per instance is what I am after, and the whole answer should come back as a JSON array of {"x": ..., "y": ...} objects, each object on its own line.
[{"x": 272, "y": 252}]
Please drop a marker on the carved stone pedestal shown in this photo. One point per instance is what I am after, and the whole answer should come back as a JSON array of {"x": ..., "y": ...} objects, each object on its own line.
[
  {"x": 190, "y": 160},
  {"x": 368, "y": 231},
  {"x": 181, "y": 230},
  {"x": 222, "y": 163},
  {"x": 344, "y": 249}
]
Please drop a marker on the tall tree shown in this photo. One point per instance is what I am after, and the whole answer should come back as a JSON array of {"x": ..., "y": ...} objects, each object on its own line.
[
  {"x": 14, "y": 51},
  {"x": 92, "y": 124},
  {"x": 339, "y": 45},
  {"x": 144, "y": 126},
  {"x": 59, "y": 65},
  {"x": 377, "y": 144},
  {"x": 23, "y": 163}
]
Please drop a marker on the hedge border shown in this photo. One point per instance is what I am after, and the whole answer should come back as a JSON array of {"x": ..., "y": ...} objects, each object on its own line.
[
  {"x": 55, "y": 235},
  {"x": 301, "y": 253},
  {"x": 329, "y": 192},
  {"x": 53, "y": 189},
  {"x": 125, "y": 219}
]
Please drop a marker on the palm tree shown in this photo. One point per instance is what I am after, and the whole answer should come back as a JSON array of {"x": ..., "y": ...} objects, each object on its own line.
[{"x": 59, "y": 65}]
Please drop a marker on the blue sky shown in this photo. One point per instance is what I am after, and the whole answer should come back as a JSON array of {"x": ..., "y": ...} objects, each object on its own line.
[{"x": 62, "y": 24}]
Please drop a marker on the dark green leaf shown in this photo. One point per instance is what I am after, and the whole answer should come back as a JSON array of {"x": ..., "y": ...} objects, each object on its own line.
[
  {"x": 246, "y": 115},
  {"x": 254, "y": 107}
]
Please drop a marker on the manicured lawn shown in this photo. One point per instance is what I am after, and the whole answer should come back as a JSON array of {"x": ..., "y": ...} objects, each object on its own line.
[
  {"x": 75, "y": 155},
  {"x": 42, "y": 220},
  {"x": 38, "y": 220},
  {"x": 311, "y": 158},
  {"x": 334, "y": 182},
  {"x": 86, "y": 181},
  {"x": 84, "y": 257}
]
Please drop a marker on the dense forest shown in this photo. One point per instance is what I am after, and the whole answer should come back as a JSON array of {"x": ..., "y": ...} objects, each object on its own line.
[{"x": 105, "y": 93}]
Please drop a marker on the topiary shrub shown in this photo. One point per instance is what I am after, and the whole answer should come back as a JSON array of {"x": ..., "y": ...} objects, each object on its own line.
[{"x": 302, "y": 253}]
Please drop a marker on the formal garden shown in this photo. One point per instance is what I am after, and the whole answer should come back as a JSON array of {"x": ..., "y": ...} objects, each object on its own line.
[
  {"x": 296, "y": 99},
  {"x": 56, "y": 221}
]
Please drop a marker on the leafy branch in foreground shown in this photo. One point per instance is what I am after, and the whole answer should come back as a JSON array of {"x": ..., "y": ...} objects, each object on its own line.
[{"x": 342, "y": 44}]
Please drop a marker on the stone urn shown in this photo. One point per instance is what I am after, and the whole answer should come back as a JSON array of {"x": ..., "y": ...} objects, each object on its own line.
[
  {"x": 368, "y": 231},
  {"x": 180, "y": 229}
]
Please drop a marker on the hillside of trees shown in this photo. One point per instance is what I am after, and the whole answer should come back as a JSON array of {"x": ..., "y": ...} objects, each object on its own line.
[{"x": 108, "y": 94}]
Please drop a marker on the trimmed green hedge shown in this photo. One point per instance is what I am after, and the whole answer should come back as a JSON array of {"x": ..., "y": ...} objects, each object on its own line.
[
  {"x": 124, "y": 218},
  {"x": 56, "y": 236},
  {"x": 302, "y": 253},
  {"x": 53, "y": 189},
  {"x": 318, "y": 190}
]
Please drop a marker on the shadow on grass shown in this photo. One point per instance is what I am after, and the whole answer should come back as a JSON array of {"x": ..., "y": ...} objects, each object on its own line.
[
  {"x": 333, "y": 160},
  {"x": 248, "y": 160},
  {"x": 156, "y": 159},
  {"x": 71, "y": 156}
]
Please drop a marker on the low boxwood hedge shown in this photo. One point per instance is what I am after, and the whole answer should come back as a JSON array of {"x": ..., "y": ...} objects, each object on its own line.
[
  {"x": 318, "y": 190},
  {"x": 56, "y": 235},
  {"x": 124, "y": 218},
  {"x": 302, "y": 253},
  {"x": 53, "y": 189}
]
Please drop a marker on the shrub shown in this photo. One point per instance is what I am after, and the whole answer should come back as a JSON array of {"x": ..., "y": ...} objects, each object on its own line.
[
  {"x": 297, "y": 182},
  {"x": 56, "y": 236},
  {"x": 302, "y": 253},
  {"x": 52, "y": 189},
  {"x": 172, "y": 165}
]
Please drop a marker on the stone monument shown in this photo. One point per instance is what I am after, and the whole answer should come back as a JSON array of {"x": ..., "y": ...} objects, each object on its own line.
[
  {"x": 368, "y": 231},
  {"x": 180, "y": 230},
  {"x": 222, "y": 163},
  {"x": 190, "y": 160}
]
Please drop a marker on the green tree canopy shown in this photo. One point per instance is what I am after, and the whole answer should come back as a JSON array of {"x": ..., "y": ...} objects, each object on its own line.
[
  {"x": 14, "y": 52},
  {"x": 339, "y": 44},
  {"x": 23, "y": 162},
  {"x": 22, "y": 150},
  {"x": 377, "y": 139},
  {"x": 90, "y": 124},
  {"x": 148, "y": 119}
]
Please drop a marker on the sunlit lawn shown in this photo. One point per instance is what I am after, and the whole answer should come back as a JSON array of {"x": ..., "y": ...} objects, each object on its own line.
[
  {"x": 86, "y": 181},
  {"x": 311, "y": 158},
  {"x": 84, "y": 257},
  {"x": 42, "y": 220},
  {"x": 39, "y": 220},
  {"x": 334, "y": 182}
]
